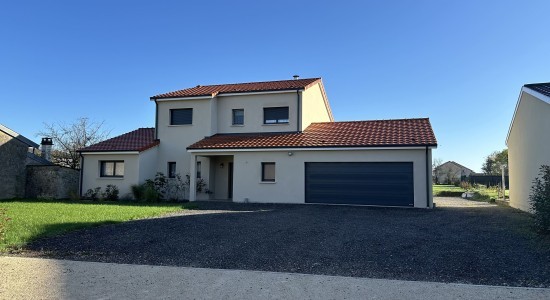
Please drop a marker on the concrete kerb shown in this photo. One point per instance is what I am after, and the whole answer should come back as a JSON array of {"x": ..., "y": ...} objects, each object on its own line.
[{"x": 64, "y": 279}]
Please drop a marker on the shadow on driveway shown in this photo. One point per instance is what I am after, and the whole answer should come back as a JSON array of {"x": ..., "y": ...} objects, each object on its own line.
[{"x": 481, "y": 245}]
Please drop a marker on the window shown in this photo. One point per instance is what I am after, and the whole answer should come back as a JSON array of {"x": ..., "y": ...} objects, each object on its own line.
[
  {"x": 111, "y": 169},
  {"x": 171, "y": 169},
  {"x": 268, "y": 171},
  {"x": 182, "y": 116},
  {"x": 238, "y": 116},
  {"x": 275, "y": 115},
  {"x": 199, "y": 175}
]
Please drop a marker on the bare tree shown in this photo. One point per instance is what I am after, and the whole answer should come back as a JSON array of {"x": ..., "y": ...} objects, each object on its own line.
[
  {"x": 436, "y": 169},
  {"x": 69, "y": 138}
]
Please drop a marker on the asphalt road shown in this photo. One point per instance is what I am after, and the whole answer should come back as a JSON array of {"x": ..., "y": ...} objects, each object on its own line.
[{"x": 480, "y": 244}]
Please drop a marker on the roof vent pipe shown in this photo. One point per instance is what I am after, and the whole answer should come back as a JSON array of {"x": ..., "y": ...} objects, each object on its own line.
[
  {"x": 46, "y": 148},
  {"x": 296, "y": 77}
]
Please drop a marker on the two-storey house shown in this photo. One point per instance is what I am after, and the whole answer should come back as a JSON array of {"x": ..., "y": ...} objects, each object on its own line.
[{"x": 274, "y": 142}]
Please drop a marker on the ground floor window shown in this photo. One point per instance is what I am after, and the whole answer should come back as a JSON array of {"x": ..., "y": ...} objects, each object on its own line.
[
  {"x": 111, "y": 168},
  {"x": 171, "y": 169},
  {"x": 199, "y": 173},
  {"x": 268, "y": 171}
]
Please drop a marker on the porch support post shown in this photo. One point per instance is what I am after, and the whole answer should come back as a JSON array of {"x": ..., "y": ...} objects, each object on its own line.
[{"x": 193, "y": 178}]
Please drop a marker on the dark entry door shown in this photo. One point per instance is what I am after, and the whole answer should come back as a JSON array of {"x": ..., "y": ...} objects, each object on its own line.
[
  {"x": 363, "y": 183},
  {"x": 230, "y": 181}
]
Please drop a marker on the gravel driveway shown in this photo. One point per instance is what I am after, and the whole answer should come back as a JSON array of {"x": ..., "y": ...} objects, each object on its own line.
[{"x": 456, "y": 242}]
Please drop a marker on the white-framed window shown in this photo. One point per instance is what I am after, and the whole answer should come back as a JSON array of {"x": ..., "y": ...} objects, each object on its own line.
[
  {"x": 114, "y": 168},
  {"x": 268, "y": 172},
  {"x": 238, "y": 116}
]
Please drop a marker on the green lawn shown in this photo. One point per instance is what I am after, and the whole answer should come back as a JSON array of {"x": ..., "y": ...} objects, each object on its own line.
[
  {"x": 485, "y": 193},
  {"x": 446, "y": 187},
  {"x": 31, "y": 219}
]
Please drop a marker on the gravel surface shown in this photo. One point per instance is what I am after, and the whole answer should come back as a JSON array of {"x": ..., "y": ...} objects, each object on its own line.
[{"x": 456, "y": 242}]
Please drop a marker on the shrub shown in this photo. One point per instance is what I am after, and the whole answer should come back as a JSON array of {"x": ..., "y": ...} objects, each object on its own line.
[
  {"x": 3, "y": 222},
  {"x": 93, "y": 194},
  {"x": 138, "y": 191},
  {"x": 111, "y": 192},
  {"x": 158, "y": 184},
  {"x": 539, "y": 198},
  {"x": 465, "y": 185},
  {"x": 175, "y": 188},
  {"x": 449, "y": 194},
  {"x": 482, "y": 197},
  {"x": 150, "y": 194},
  {"x": 200, "y": 184}
]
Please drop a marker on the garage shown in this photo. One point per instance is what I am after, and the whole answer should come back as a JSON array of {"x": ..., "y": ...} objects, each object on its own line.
[{"x": 360, "y": 183}]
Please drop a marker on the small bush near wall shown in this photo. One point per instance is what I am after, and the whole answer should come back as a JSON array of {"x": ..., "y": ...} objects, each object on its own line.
[
  {"x": 540, "y": 199},
  {"x": 110, "y": 193},
  {"x": 93, "y": 194}
]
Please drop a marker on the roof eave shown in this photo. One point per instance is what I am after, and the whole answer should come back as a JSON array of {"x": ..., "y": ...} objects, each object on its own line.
[{"x": 433, "y": 146}]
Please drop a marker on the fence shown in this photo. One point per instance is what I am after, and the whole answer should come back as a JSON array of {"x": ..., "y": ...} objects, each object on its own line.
[{"x": 489, "y": 180}]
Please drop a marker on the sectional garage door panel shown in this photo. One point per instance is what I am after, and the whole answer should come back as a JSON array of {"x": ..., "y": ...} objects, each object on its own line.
[{"x": 363, "y": 183}]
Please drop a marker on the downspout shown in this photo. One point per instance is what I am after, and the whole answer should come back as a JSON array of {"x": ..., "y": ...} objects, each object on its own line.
[
  {"x": 427, "y": 181},
  {"x": 298, "y": 119},
  {"x": 156, "y": 119},
  {"x": 81, "y": 173}
]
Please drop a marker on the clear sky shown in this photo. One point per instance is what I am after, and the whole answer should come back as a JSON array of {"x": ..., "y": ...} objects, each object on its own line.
[{"x": 460, "y": 63}]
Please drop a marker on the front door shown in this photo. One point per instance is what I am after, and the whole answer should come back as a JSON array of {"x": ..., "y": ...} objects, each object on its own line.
[{"x": 230, "y": 181}]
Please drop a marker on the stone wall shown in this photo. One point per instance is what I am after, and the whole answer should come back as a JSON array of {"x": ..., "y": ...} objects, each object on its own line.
[
  {"x": 52, "y": 182},
  {"x": 13, "y": 157}
]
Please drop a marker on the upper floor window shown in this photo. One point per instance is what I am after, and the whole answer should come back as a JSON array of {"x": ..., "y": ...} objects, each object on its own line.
[
  {"x": 183, "y": 116},
  {"x": 111, "y": 169},
  {"x": 276, "y": 115},
  {"x": 238, "y": 116}
]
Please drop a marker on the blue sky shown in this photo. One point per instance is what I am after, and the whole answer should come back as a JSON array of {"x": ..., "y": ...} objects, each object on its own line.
[{"x": 460, "y": 63}]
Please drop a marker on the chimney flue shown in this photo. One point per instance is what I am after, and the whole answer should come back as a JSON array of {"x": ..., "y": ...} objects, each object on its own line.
[
  {"x": 296, "y": 77},
  {"x": 46, "y": 148}
]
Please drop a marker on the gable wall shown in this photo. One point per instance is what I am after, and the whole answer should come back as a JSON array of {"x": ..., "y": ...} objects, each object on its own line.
[
  {"x": 528, "y": 147},
  {"x": 13, "y": 157},
  {"x": 313, "y": 107}
]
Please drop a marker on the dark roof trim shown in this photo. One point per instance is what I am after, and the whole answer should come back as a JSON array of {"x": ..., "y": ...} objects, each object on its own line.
[
  {"x": 155, "y": 143},
  {"x": 222, "y": 93},
  {"x": 319, "y": 147}
]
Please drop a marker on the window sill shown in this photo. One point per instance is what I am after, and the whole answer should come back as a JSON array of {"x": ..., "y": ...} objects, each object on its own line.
[
  {"x": 110, "y": 178},
  {"x": 268, "y": 182},
  {"x": 182, "y": 125},
  {"x": 237, "y": 125},
  {"x": 276, "y": 124}
]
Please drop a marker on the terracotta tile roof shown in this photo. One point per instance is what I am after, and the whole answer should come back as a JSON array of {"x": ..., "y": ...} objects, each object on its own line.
[
  {"x": 543, "y": 88},
  {"x": 378, "y": 133},
  {"x": 212, "y": 90},
  {"x": 138, "y": 140}
]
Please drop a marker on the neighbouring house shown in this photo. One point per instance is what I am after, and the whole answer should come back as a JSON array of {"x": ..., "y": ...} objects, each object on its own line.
[
  {"x": 26, "y": 170},
  {"x": 451, "y": 172},
  {"x": 270, "y": 142},
  {"x": 528, "y": 141}
]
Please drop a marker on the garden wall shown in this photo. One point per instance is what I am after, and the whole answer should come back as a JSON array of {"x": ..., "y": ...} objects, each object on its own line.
[{"x": 53, "y": 182}]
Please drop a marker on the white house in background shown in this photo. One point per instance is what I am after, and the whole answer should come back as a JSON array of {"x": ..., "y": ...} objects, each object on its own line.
[
  {"x": 451, "y": 171},
  {"x": 271, "y": 142},
  {"x": 528, "y": 141}
]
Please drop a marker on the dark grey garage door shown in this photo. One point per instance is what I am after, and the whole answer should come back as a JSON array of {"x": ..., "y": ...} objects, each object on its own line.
[{"x": 365, "y": 183}]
